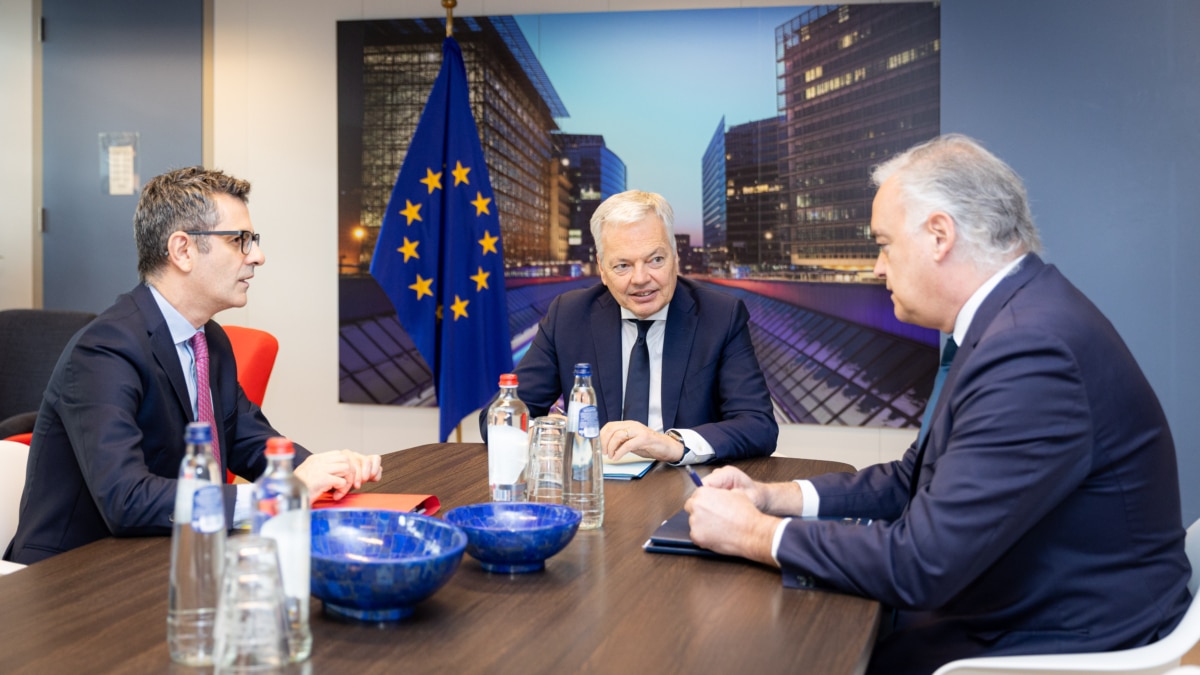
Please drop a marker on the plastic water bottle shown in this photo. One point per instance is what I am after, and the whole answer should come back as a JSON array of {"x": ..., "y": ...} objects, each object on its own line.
[
  {"x": 508, "y": 443},
  {"x": 583, "y": 463},
  {"x": 197, "y": 551},
  {"x": 282, "y": 512}
]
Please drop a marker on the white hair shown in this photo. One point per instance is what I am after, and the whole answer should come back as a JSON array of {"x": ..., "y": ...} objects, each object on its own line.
[
  {"x": 628, "y": 207},
  {"x": 984, "y": 196}
]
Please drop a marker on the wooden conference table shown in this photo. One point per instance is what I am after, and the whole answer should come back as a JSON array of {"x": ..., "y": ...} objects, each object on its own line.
[{"x": 601, "y": 605}]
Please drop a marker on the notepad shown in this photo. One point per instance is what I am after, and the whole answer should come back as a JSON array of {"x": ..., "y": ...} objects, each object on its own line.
[
  {"x": 627, "y": 470},
  {"x": 675, "y": 536},
  {"x": 423, "y": 504}
]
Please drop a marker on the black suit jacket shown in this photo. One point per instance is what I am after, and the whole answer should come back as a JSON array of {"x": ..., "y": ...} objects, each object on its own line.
[
  {"x": 711, "y": 380},
  {"x": 1047, "y": 517},
  {"x": 108, "y": 443}
]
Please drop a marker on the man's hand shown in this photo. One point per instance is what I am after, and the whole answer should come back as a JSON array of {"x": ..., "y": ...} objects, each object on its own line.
[
  {"x": 726, "y": 521},
  {"x": 618, "y": 439},
  {"x": 338, "y": 472},
  {"x": 774, "y": 498}
]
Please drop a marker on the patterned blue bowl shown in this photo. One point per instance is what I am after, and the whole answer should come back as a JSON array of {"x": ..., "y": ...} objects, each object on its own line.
[
  {"x": 515, "y": 537},
  {"x": 375, "y": 565}
]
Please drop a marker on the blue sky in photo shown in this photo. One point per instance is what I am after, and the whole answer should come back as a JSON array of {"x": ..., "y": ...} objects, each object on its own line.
[{"x": 656, "y": 84}]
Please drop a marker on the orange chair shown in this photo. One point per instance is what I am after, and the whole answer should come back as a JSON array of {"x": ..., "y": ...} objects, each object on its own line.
[{"x": 255, "y": 351}]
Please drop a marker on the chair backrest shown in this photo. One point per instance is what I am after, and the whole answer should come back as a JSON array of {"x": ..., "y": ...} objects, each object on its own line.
[
  {"x": 255, "y": 351},
  {"x": 1152, "y": 659},
  {"x": 13, "y": 457},
  {"x": 31, "y": 341}
]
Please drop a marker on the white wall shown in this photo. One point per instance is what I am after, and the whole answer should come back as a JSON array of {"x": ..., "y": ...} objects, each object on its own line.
[
  {"x": 18, "y": 74},
  {"x": 275, "y": 123}
]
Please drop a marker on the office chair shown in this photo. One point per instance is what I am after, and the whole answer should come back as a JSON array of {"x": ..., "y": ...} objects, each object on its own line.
[
  {"x": 255, "y": 352},
  {"x": 31, "y": 341},
  {"x": 1153, "y": 659},
  {"x": 13, "y": 457}
]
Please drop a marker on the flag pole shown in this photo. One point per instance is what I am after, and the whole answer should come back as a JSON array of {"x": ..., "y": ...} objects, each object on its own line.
[{"x": 449, "y": 5}]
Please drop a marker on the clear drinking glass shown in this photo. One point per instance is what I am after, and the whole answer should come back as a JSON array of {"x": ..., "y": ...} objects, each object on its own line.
[
  {"x": 547, "y": 444},
  {"x": 251, "y": 626}
]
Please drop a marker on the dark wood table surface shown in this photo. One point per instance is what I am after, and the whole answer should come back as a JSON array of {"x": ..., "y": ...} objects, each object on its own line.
[{"x": 601, "y": 605}]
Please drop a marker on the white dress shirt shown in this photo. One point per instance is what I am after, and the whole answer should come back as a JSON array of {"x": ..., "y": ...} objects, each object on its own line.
[{"x": 697, "y": 449}]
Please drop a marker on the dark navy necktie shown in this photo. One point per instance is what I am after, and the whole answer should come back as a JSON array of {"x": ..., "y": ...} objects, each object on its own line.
[
  {"x": 637, "y": 380},
  {"x": 948, "y": 352}
]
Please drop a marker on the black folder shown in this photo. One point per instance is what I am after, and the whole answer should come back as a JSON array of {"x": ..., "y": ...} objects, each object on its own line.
[{"x": 675, "y": 536}]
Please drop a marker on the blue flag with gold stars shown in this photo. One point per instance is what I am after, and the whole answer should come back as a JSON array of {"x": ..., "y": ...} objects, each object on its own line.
[{"x": 438, "y": 256}]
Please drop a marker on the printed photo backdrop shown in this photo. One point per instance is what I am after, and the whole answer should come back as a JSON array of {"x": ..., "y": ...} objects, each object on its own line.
[{"x": 759, "y": 126}]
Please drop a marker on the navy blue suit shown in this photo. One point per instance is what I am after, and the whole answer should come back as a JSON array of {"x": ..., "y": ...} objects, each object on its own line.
[
  {"x": 711, "y": 380},
  {"x": 108, "y": 442},
  {"x": 1047, "y": 515}
]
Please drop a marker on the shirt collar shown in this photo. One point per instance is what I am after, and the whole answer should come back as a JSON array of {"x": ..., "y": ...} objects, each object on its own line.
[
  {"x": 660, "y": 315},
  {"x": 181, "y": 329},
  {"x": 965, "y": 315}
]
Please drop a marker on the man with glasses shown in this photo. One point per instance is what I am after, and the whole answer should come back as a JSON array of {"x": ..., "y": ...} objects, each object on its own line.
[{"x": 108, "y": 442}]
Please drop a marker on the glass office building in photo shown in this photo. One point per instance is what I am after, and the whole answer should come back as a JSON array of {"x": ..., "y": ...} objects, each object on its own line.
[{"x": 857, "y": 84}]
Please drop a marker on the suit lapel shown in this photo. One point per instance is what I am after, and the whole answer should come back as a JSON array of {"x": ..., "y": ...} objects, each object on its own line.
[
  {"x": 682, "y": 320},
  {"x": 163, "y": 347},
  {"x": 606, "y": 337},
  {"x": 992, "y": 304}
]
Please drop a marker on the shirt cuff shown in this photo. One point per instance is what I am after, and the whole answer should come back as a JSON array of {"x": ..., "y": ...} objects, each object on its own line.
[
  {"x": 812, "y": 500},
  {"x": 778, "y": 538},
  {"x": 243, "y": 506},
  {"x": 696, "y": 450}
]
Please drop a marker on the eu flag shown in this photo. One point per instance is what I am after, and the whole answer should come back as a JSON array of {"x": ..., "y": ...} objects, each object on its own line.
[{"x": 438, "y": 256}]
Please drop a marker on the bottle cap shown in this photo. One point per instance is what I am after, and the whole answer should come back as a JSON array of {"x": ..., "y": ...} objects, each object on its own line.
[
  {"x": 508, "y": 380},
  {"x": 198, "y": 432},
  {"x": 583, "y": 370},
  {"x": 279, "y": 446}
]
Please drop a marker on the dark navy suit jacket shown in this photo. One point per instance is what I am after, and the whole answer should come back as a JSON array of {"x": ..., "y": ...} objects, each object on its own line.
[
  {"x": 108, "y": 442},
  {"x": 711, "y": 380},
  {"x": 1047, "y": 516}
]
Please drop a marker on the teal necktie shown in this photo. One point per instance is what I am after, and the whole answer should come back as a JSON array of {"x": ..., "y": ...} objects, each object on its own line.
[{"x": 948, "y": 352}]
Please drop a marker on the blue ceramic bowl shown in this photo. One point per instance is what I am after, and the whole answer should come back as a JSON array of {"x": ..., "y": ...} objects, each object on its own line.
[
  {"x": 374, "y": 565},
  {"x": 515, "y": 536}
]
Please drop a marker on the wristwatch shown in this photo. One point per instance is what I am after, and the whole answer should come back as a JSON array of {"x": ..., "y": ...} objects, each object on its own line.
[{"x": 679, "y": 437}]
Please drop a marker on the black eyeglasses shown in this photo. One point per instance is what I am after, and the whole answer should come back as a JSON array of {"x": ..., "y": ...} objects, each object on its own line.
[{"x": 244, "y": 237}]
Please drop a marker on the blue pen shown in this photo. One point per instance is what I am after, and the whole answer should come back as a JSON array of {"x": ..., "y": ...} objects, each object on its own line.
[{"x": 695, "y": 476}]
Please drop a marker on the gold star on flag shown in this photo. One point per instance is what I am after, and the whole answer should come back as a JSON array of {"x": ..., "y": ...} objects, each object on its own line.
[
  {"x": 422, "y": 287},
  {"x": 459, "y": 307},
  {"x": 439, "y": 313},
  {"x": 432, "y": 180},
  {"x": 488, "y": 242},
  {"x": 480, "y": 279},
  {"x": 460, "y": 174},
  {"x": 481, "y": 204},
  {"x": 411, "y": 211},
  {"x": 409, "y": 249}
]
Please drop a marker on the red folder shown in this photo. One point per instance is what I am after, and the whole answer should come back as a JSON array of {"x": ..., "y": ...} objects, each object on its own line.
[{"x": 424, "y": 504}]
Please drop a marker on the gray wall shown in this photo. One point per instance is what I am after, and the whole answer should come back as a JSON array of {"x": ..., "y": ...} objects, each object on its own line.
[{"x": 1096, "y": 103}]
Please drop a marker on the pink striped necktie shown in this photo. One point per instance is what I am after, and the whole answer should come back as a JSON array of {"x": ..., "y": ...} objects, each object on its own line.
[{"x": 204, "y": 395}]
